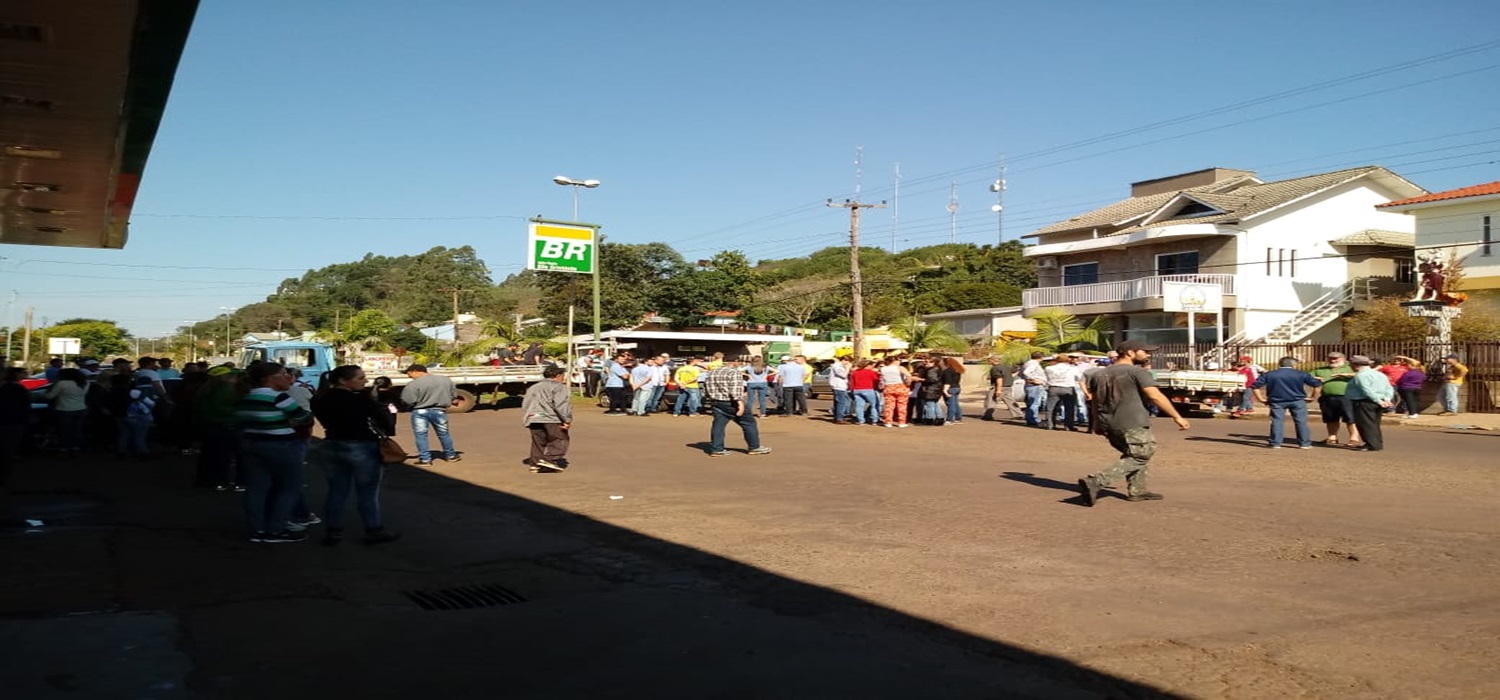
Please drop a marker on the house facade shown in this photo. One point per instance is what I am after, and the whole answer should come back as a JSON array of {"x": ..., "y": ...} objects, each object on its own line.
[
  {"x": 977, "y": 324},
  {"x": 1291, "y": 256},
  {"x": 1461, "y": 223}
]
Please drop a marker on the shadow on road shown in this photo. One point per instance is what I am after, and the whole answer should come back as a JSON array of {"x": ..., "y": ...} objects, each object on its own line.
[
  {"x": 1044, "y": 482},
  {"x": 603, "y": 611}
]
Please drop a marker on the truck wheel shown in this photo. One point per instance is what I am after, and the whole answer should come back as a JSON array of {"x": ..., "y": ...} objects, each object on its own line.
[{"x": 466, "y": 401}]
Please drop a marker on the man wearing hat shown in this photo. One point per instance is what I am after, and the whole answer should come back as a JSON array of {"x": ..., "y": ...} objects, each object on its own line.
[
  {"x": 429, "y": 396},
  {"x": 1119, "y": 394},
  {"x": 1370, "y": 393},
  {"x": 1332, "y": 402}
]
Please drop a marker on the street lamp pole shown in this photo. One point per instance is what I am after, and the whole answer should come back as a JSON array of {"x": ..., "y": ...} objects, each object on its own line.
[
  {"x": 192, "y": 342},
  {"x": 228, "y": 317},
  {"x": 598, "y": 247}
]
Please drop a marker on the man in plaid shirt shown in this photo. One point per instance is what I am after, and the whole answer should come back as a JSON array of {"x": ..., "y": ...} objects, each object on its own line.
[{"x": 724, "y": 389}]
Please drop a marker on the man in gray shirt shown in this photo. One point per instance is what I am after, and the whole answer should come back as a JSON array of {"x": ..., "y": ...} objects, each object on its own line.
[
  {"x": 1120, "y": 392},
  {"x": 429, "y": 396}
]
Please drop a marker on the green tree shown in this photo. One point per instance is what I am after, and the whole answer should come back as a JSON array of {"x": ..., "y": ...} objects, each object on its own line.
[
  {"x": 367, "y": 324},
  {"x": 968, "y": 295},
  {"x": 1059, "y": 331},
  {"x": 1385, "y": 319},
  {"x": 938, "y": 335},
  {"x": 96, "y": 337}
]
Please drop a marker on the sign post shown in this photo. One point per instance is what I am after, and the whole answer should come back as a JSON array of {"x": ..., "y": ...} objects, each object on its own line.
[
  {"x": 1193, "y": 298},
  {"x": 64, "y": 347},
  {"x": 565, "y": 246}
]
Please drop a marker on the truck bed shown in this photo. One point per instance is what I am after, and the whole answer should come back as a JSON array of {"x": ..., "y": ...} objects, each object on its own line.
[
  {"x": 1199, "y": 381},
  {"x": 476, "y": 374}
]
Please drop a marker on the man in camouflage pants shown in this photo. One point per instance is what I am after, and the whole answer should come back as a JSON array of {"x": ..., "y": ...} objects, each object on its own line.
[{"x": 1120, "y": 392}]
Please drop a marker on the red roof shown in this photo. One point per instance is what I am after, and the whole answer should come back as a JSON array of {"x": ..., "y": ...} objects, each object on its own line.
[{"x": 1460, "y": 193}]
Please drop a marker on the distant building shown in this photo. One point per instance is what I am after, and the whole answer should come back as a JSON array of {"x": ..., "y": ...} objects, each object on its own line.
[{"x": 977, "y": 324}]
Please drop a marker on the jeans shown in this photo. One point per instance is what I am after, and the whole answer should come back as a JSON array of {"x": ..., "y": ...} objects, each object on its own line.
[
  {"x": 654, "y": 404},
  {"x": 352, "y": 465},
  {"x": 273, "y": 475},
  {"x": 933, "y": 410},
  {"x": 955, "y": 413},
  {"x": 68, "y": 427},
  {"x": 640, "y": 402},
  {"x": 841, "y": 401},
  {"x": 1448, "y": 396},
  {"x": 1411, "y": 401},
  {"x": 130, "y": 435},
  {"x": 1036, "y": 401},
  {"x": 793, "y": 400},
  {"x": 438, "y": 419},
  {"x": 220, "y": 450},
  {"x": 724, "y": 414},
  {"x": 694, "y": 399},
  {"x": 756, "y": 396},
  {"x": 866, "y": 406},
  {"x": 1247, "y": 403},
  {"x": 1065, "y": 398},
  {"x": 1299, "y": 421}
]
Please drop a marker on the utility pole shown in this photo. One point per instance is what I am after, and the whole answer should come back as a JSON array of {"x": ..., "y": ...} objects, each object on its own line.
[
  {"x": 856, "y": 284},
  {"x": 953, "y": 213},
  {"x": 455, "y": 292},
  {"x": 26, "y": 340}
]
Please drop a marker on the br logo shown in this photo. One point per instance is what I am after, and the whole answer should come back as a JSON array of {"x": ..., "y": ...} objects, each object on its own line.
[{"x": 564, "y": 250}]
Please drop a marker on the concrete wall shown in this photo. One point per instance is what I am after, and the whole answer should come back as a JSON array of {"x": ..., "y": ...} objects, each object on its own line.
[{"x": 1462, "y": 223}]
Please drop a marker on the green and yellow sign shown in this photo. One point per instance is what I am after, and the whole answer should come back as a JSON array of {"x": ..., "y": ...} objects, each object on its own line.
[{"x": 561, "y": 248}]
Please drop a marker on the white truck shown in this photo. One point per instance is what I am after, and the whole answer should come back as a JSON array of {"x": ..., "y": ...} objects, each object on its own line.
[
  {"x": 472, "y": 381},
  {"x": 1197, "y": 388}
]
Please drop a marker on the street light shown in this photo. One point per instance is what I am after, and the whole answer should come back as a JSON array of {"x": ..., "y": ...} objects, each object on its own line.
[
  {"x": 575, "y": 184},
  {"x": 192, "y": 341},
  {"x": 228, "y": 316}
]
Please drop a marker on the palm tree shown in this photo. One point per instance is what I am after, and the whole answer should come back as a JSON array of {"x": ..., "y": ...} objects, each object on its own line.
[
  {"x": 1057, "y": 331},
  {"x": 938, "y": 335}
]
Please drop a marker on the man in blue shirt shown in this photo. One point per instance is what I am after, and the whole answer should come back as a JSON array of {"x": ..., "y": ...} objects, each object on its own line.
[
  {"x": 1282, "y": 389},
  {"x": 1371, "y": 393},
  {"x": 616, "y": 380},
  {"x": 643, "y": 380}
]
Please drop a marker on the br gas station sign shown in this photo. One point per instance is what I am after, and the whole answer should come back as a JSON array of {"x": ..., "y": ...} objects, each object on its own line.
[{"x": 561, "y": 247}]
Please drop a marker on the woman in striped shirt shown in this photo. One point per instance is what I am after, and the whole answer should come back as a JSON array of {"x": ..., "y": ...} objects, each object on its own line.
[{"x": 270, "y": 453}]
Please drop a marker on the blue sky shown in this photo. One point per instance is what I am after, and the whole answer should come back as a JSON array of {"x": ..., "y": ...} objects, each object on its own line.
[{"x": 302, "y": 134}]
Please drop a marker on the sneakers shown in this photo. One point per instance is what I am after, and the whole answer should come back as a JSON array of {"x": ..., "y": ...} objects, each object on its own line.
[
  {"x": 277, "y": 537},
  {"x": 545, "y": 464},
  {"x": 762, "y": 450},
  {"x": 424, "y": 462},
  {"x": 903, "y": 425},
  {"x": 1148, "y": 496},
  {"x": 454, "y": 458},
  {"x": 1274, "y": 447},
  {"x": 1090, "y": 490},
  {"x": 381, "y": 537},
  {"x": 720, "y": 453},
  {"x": 298, "y": 525}
]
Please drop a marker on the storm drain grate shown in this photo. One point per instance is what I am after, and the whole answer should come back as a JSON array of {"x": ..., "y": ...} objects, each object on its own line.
[{"x": 464, "y": 597}]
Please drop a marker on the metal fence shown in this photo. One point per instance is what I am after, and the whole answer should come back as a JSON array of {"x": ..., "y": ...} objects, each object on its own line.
[{"x": 1481, "y": 392}]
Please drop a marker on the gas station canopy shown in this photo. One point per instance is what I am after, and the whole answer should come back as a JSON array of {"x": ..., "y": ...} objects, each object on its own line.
[{"x": 83, "y": 84}]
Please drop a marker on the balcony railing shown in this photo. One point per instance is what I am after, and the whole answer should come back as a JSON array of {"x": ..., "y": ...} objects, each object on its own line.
[{"x": 1124, "y": 290}]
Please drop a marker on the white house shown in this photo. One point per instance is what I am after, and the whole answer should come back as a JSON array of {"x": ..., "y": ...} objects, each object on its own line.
[
  {"x": 975, "y": 324},
  {"x": 1291, "y": 255},
  {"x": 1462, "y": 223}
]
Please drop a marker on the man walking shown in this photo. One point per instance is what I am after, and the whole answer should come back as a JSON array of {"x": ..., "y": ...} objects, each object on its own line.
[
  {"x": 996, "y": 393},
  {"x": 547, "y": 411},
  {"x": 1120, "y": 393},
  {"x": 1285, "y": 389},
  {"x": 429, "y": 396},
  {"x": 1370, "y": 393},
  {"x": 1454, "y": 373},
  {"x": 725, "y": 389}
]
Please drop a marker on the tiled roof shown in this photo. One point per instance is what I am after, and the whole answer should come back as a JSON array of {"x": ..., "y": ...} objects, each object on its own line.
[
  {"x": 1378, "y": 237},
  {"x": 1460, "y": 193},
  {"x": 1239, "y": 198}
]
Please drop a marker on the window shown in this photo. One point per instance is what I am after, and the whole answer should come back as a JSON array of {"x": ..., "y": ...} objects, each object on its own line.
[
  {"x": 1484, "y": 249},
  {"x": 1084, "y": 273},
  {"x": 1268, "y": 262},
  {"x": 1293, "y": 259},
  {"x": 1177, "y": 263},
  {"x": 1281, "y": 262},
  {"x": 1406, "y": 271}
]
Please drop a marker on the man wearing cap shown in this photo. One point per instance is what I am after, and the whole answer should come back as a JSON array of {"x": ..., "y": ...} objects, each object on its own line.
[
  {"x": 1370, "y": 393},
  {"x": 1332, "y": 403},
  {"x": 1285, "y": 389},
  {"x": 1119, "y": 394},
  {"x": 1453, "y": 376},
  {"x": 429, "y": 396}
]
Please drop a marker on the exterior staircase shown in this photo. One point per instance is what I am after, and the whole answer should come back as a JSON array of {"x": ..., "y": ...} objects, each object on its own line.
[{"x": 1321, "y": 312}]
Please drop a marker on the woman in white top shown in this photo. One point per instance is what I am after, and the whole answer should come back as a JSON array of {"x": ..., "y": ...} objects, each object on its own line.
[
  {"x": 894, "y": 379},
  {"x": 69, "y": 397}
]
